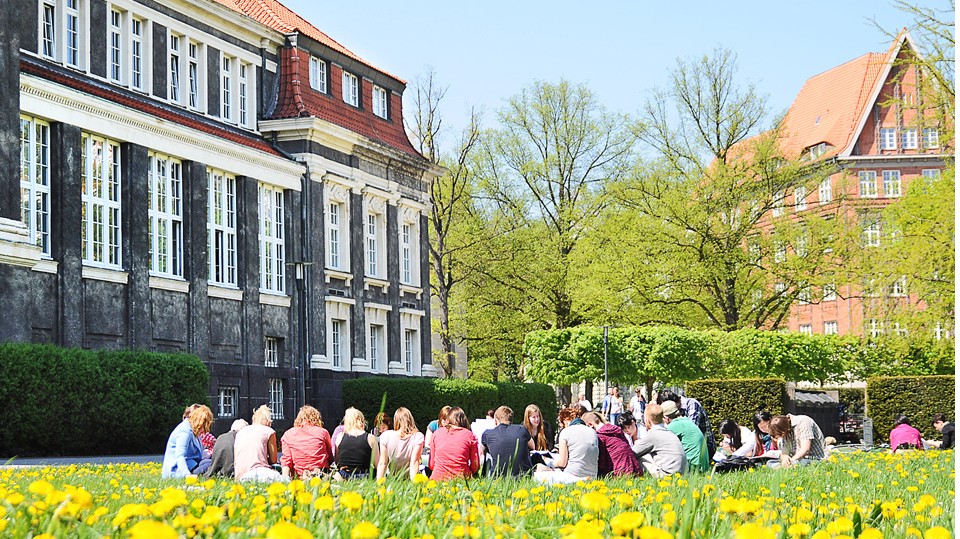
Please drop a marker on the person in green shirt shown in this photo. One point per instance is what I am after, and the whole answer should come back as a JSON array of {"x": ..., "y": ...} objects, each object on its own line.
[{"x": 693, "y": 441}]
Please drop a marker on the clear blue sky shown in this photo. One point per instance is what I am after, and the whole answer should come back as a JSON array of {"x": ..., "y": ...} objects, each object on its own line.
[{"x": 487, "y": 51}]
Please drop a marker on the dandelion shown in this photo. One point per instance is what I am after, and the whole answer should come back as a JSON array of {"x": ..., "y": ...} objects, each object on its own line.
[
  {"x": 871, "y": 533},
  {"x": 286, "y": 530},
  {"x": 365, "y": 530},
  {"x": 625, "y": 522},
  {"x": 595, "y": 502},
  {"x": 151, "y": 529},
  {"x": 351, "y": 501},
  {"x": 937, "y": 532}
]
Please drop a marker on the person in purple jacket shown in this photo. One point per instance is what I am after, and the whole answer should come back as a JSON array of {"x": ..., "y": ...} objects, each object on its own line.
[{"x": 616, "y": 455}]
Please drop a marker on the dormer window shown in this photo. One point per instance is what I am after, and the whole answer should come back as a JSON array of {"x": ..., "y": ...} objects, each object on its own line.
[
  {"x": 351, "y": 89},
  {"x": 318, "y": 74},
  {"x": 818, "y": 150},
  {"x": 380, "y": 102}
]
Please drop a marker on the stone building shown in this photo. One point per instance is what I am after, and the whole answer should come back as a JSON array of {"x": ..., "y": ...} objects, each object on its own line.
[{"x": 216, "y": 177}]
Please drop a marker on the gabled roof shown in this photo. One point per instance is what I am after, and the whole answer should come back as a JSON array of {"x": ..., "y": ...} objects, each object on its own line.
[{"x": 283, "y": 19}]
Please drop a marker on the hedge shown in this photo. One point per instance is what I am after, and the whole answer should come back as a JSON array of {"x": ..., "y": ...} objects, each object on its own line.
[
  {"x": 739, "y": 399},
  {"x": 917, "y": 397},
  {"x": 65, "y": 401},
  {"x": 425, "y": 397}
]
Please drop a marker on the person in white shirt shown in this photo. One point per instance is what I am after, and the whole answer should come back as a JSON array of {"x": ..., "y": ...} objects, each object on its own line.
[
  {"x": 638, "y": 404},
  {"x": 586, "y": 404}
]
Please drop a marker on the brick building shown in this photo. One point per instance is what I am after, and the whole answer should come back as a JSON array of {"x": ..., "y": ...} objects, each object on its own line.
[
  {"x": 211, "y": 176},
  {"x": 869, "y": 118}
]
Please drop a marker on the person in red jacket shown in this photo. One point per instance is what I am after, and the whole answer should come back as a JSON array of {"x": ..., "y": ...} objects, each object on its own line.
[
  {"x": 616, "y": 456},
  {"x": 307, "y": 448},
  {"x": 454, "y": 451}
]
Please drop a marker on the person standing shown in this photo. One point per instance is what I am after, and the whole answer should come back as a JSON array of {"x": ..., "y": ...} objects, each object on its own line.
[
  {"x": 221, "y": 463},
  {"x": 799, "y": 438},
  {"x": 454, "y": 450},
  {"x": 616, "y": 406},
  {"x": 508, "y": 445},
  {"x": 307, "y": 448},
  {"x": 946, "y": 429},
  {"x": 638, "y": 404},
  {"x": 584, "y": 402},
  {"x": 693, "y": 441},
  {"x": 255, "y": 449}
]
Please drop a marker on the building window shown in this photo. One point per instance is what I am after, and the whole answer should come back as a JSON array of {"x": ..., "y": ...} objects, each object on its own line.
[
  {"x": 778, "y": 200},
  {"x": 800, "y": 198},
  {"x": 779, "y": 288},
  {"x": 336, "y": 342},
  {"x": 826, "y": 191},
  {"x": 829, "y": 292},
  {"x": 868, "y": 183},
  {"x": 318, "y": 74},
  {"x": 406, "y": 254},
  {"x": 35, "y": 180},
  {"x": 375, "y": 346},
  {"x": 175, "y": 68},
  {"x": 380, "y": 102},
  {"x": 779, "y": 251},
  {"x": 244, "y": 106},
  {"x": 800, "y": 245},
  {"x": 908, "y": 139},
  {"x": 271, "y": 240},
  {"x": 222, "y": 227},
  {"x": 931, "y": 173},
  {"x": 939, "y": 332},
  {"x": 226, "y": 80},
  {"x": 271, "y": 352},
  {"x": 62, "y": 25},
  {"x": 410, "y": 349},
  {"x": 871, "y": 231},
  {"x": 931, "y": 137},
  {"x": 888, "y": 138},
  {"x": 100, "y": 184},
  {"x": 166, "y": 216},
  {"x": 276, "y": 397},
  {"x": 898, "y": 288},
  {"x": 73, "y": 32},
  {"x": 333, "y": 234},
  {"x": 136, "y": 54},
  {"x": 193, "y": 74},
  {"x": 874, "y": 328},
  {"x": 830, "y": 328},
  {"x": 803, "y": 295},
  {"x": 375, "y": 247},
  {"x": 806, "y": 329},
  {"x": 228, "y": 402},
  {"x": 48, "y": 34},
  {"x": 351, "y": 89},
  {"x": 891, "y": 183},
  {"x": 115, "y": 56}
]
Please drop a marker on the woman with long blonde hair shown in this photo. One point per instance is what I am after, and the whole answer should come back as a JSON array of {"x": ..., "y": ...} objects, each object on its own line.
[
  {"x": 357, "y": 451},
  {"x": 401, "y": 447},
  {"x": 541, "y": 438}
]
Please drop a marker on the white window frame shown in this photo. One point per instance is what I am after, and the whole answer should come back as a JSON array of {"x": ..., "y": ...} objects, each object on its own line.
[
  {"x": 336, "y": 342},
  {"x": 195, "y": 75},
  {"x": 115, "y": 48},
  {"x": 800, "y": 198},
  {"x": 940, "y": 332},
  {"x": 830, "y": 328},
  {"x": 165, "y": 214},
  {"x": 908, "y": 138},
  {"x": 779, "y": 251},
  {"x": 898, "y": 288},
  {"x": 226, "y": 87},
  {"x": 48, "y": 29},
  {"x": 872, "y": 230},
  {"x": 868, "y": 183},
  {"x": 35, "y": 181},
  {"x": 891, "y": 183},
  {"x": 407, "y": 249},
  {"x": 243, "y": 94},
  {"x": 374, "y": 243},
  {"x": 222, "y": 228},
  {"x": 779, "y": 198},
  {"x": 318, "y": 74},
  {"x": 271, "y": 352},
  {"x": 351, "y": 89},
  {"x": 806, "y": 329},
  {"x": 411, "y": 349},
  {"x": 73, "y": 34},
  {"x": 62, "y": 31},
  {"x": 376, "y": 346},
  {"x": 380, "y": 107},
  {"x": 825, "y": 191},
  {"x": 101, "y": 212},
  {"x": 176, "y": 54},
  {"x": 931, "y": 137},
  {"x": 275, "y": 396},
  {"x": 931, "y": 173},
  {"x": 338, "y": 243},
  {"x": 803, "y": 295},
  {"x": 334, "y": 231},
  {"x": 272, "y": 249},
  {"x": 875, "y": 327},
  {"x": 228, "y": 397},
  {"x": 830, "y": 292},
  {"x": 138, "y": 54},
  {"x": 888, "y": 138},
  {"x": 779, "y": 288},
  {"x": 339, "y": 311}
]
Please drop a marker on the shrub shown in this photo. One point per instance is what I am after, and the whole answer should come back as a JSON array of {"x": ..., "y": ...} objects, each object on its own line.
[
  {"x": 425, "y": 397},
  {"x": 63, "y": 401},
  {"x": 917, "y": 397},
  {"x": 739, "y": 399}
]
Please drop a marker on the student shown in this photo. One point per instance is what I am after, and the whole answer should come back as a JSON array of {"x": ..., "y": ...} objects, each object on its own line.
[
  {"x": 578, "y": 451},
  {"x": 693, "y": 441},
  {"x": 307, "y": 448},
  {"x": 904, "y": 436},
  {"x": 947, "y": 429},
  {"x": 454, "y": 450},
  {"x": 800, "y": 439},
  {"x": 221, "y": 463},
  {"x": 400, "y": 448},
  {"x": 737, "y": 441},
  {"x": 255, "y": 449},
  {"x": 616, "y": 455},
  {"x": 184, "y": 454},
  {"x": 508, "y": 445},
  {"x": 660, "y": 451},
  {"x": 541, "y": 439},
  {"x": 357, "y": 449}
]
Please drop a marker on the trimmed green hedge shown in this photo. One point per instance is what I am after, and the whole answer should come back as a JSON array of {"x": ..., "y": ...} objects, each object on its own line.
[
  {"x": 739, "y": 399},
  {"x": 66, "y": 401},
  {"x": 917, "y": 397},
  {"x": 425, "y": 397}
]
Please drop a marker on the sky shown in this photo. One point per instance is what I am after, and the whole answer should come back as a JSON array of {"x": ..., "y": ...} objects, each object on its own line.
[{"x": 486, "y": 52}]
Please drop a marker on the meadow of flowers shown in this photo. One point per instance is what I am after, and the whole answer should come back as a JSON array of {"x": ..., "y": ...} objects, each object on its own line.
[{"x": 853, "y": 495}]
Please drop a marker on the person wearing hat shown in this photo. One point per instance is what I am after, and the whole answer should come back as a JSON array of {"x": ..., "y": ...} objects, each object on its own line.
[
  {"x": 660, "y": 451},
  {"x": 638, "y": 404},
  {"x": 693, "y": 441}
]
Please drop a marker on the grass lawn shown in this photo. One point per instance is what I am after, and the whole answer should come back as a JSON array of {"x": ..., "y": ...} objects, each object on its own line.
[{"x": 865, "y": 495}]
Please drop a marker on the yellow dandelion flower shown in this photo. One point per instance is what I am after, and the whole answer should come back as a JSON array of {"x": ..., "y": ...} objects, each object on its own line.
[
  {"x": 625, "y": 522},
  {"x": 41, "y": 488},
  {"x": 286, "y": 530},
  {"x": 937, "y": 532},
  {"x": 595, "y": 502},
  {"x": 365, "y": 530},
  {"x": 652, "y": 532},
  {"x": 324, "y": 503},
  {"x": 351, "y": 500},
  {"x": 151, "y": 529},
  {"x": 752, "y": 530},
  {"x": 871, "y": 533},
  {"x": 800, "y": 529}
]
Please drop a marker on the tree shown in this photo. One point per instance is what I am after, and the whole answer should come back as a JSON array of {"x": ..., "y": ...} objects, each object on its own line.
[
  {"x": 544, "y": 171},
  {"x": 703, "y": 231}
]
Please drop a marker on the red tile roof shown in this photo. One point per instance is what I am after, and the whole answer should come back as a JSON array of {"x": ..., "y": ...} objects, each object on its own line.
[
  {"x": 831, "y": 104},
  {"x": 145, "y": 105},
  {"x": 283, "y": 19}
]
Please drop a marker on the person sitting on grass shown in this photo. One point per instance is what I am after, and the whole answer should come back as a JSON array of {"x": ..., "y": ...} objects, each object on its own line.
[
  {"x": 508, "y": 445},
  {"x": 693, "y": 441},
  {"x": 946, "y": 429},
  {"x": 357, "y": 449},
  {"x": 400, "y": 448},
  {"x": 737, "y": 441},
  {"x": 660, "y": 451},
  {"x": 307, "y": 448},
  {"x": 184, "y": 454},
  {"x": 221, "y": 463},
  {"x": 454, "y": 450},
  {"x": 255, "y": 449},
  {"x": 616, "y": 455},
  {"x": 800, "y": 440},
  {"x": 904, "y": 436},
  {"x": 578, "y": 451}
]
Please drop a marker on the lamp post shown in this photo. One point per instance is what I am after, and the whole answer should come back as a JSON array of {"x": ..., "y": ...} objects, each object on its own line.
[
  {"x": 300, "y": 275},
  {"x": 606, "y": 369}
]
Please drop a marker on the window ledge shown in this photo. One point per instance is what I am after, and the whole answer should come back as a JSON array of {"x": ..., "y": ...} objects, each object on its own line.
[
  {"x": 337, "y": 274},
  {"x": 397, "y": 367},
  {"x": 412, "y": 312},
  {"x": 340, "y": 299},
  {"x": 373, "y": 281},
  {"x": 270, "y": 298},
  {"x": 173, "y": 285},
  {"x": 377, "y": 306},
  {"x": 411, "y": 289},
  {"x": 46, "y": 266},
  {"x": 224, "y": 292},
  {"x": 103, "y": 274}
]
